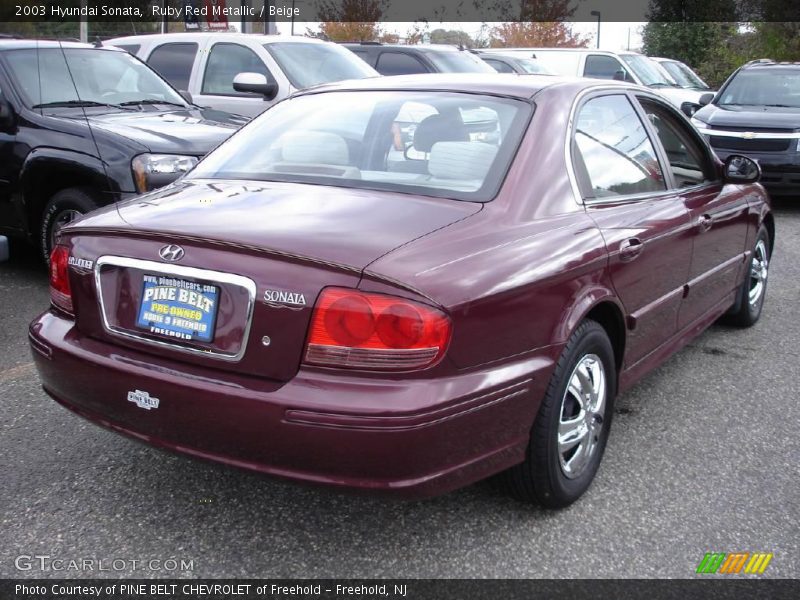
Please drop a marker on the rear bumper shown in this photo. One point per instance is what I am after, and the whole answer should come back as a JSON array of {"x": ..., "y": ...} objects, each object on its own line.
[{"x": 412, "y": 438}]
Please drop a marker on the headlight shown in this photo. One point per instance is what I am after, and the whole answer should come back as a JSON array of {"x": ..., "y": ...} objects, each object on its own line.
[
  {"x": 698, "y": 123},
  {"x": 151, "y": 171}
]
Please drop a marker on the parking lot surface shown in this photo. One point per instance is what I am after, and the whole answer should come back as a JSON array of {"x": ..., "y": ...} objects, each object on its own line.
[{"x": 704, "y": 456}]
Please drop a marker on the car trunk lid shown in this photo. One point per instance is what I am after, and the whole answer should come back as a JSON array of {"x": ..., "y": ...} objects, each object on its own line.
[{"x": 252, "y": 263}]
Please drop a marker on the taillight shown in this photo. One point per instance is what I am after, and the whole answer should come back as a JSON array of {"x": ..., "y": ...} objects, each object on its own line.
[
  {"x": 60, "y": 294},
  {"x": 360, "y": 330}
]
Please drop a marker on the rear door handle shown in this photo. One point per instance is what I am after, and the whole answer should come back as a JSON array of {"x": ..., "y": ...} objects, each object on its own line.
[
  {"x": 630, "y": 249},
  {"x": 705, "y": 222}
]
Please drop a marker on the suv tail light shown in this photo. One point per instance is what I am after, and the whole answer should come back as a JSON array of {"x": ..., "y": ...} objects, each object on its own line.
[
  {"x": 60, "y": 293},
  {"x": 358, "y": 330}
]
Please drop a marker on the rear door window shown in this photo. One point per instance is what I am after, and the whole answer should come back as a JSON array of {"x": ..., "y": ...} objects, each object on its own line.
[
  {"x": 601, "y": 66},
  {"x": 174, "y": 62},
  {"x": 397, "y": 63},
  {"x": 613, "y": 152},
  {"x": 498, "y": 66}
]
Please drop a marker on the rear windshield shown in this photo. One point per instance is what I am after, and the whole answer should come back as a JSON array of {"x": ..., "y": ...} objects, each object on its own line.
[
  {"x": 451, "y": 145},
  {"x": 764, "y": 86},
  {"x": 307, "y": 65}
]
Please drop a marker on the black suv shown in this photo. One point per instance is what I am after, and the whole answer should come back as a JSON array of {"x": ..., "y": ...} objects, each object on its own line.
[
  {"x": 400, "y": 59},
  {"x": 82, "y": 126},
  {"x": 757, "y": 113}
]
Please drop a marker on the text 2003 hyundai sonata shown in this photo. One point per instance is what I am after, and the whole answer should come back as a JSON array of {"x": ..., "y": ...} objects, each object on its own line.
[{"x": 332, "y": 298}]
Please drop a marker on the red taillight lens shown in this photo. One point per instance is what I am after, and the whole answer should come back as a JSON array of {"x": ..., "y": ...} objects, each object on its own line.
[
  {"x": 60, "y": 294},
  {"x": 372, "y": 331}
]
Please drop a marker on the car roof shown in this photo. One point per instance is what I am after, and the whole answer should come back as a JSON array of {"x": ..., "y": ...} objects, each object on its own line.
[
  {"x": 765, "y": 62},
  {"x": 215, "y": 35},
  {"x": 407, "y": 47},
  {"x": 511, "y": 85},
  {"x": 19, "y": 44}
]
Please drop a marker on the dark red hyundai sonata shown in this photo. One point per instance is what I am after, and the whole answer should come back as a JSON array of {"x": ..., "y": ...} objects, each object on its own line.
[{"x": 409, "y": 284}]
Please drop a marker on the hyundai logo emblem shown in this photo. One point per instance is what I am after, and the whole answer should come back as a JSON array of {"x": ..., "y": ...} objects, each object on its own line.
[{"x": 172, "y": 253}]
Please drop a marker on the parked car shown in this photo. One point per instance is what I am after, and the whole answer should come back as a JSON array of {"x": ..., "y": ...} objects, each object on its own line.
[
  {"x": 403, "y": 59},
  {"x": 683, "y": 75},
  {"x": 602, "y": 64},
  {"x": 295, "y": 305},
  {"x": 506, "y": 63},
  {"x": 81, "y": 127},
  {"x": 243, "y": 73},
  {"x": 757, "y": 113}
]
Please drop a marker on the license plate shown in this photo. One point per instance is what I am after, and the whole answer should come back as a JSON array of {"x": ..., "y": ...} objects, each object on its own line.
[{"x": 177, "y": 308}]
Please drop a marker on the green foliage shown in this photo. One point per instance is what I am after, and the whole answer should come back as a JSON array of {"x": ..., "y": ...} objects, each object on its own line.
[
  {"x": 452, "y": 36},
  {"x": 690, "y": 31}
]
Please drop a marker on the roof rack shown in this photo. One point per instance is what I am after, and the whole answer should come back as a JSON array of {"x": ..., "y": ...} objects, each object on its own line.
[{"x": 759, "y": 61}]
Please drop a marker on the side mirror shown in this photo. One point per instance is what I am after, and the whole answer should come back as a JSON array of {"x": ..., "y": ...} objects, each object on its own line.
[
  {"x": 740, "y": 169},
  {"x": 6, "y": 116},
  {"x": 619, "y": 75},
  {"x": 689, "y": 108},
  {"x": 255, "y": 83},
  {"x": 186, "y": 95},
  {"x": 706, "y": 98}
]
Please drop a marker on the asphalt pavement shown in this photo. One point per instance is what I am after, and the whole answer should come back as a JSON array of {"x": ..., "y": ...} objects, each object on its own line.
[{"x": 704, "y": 456}]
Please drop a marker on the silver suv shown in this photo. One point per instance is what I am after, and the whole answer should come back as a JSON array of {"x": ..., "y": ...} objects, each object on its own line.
[
  {"x": 243, "y": 73},
  {"x": 602, "y": 64}
]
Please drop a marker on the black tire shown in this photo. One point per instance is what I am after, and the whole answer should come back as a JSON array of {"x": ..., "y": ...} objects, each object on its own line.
[
  {"x": 744, "y": 312},
  {"x": 57, "y": 211},
  {"x": 541, "y": 477}
]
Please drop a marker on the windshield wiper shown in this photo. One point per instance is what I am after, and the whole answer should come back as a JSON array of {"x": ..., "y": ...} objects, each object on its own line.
[
  {"x": 660, "y": 84},
  {"x": 76, "y": 103},
  {"x": 782, "y": 105},
  {"x": 151, "y": 101}
]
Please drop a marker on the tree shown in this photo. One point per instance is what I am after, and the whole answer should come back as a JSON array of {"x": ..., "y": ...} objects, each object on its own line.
[
  {"x": 452, "y": 36},
  {"x": 417, "y": 33},
  {"x": 536, "y": 34},
  {"x": 351, "y": 20},
  {"x": 692, "y": 43}
]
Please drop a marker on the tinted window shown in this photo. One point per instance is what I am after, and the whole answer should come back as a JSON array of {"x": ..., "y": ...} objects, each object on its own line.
[
  {"x": 498, "y": 66},
  {"x": 688, "y": 161},
  {"x": 132, "y": 48},
  {"x": 434, "y": 143},
  {"x": 396, "y": 63},
  {"x": 613, "y": 149},
  {"x": 363, "y": 55},
  {"x": 174, "y": 63},
  {"x": 601, "y": 66},
  {"x": 225, "y": 62}
]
